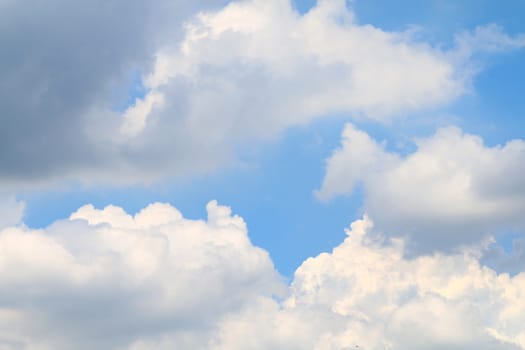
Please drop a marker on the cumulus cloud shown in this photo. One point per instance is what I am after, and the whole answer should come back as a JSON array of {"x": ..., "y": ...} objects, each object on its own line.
[
  {"x": 229, "y": 75},
  {"x": 103, "y": 278},
  {"x": 365, "y": 294},
  {"x": 107, "y": 280},
  {"x": 299, "y": 67},
  {"x": 452, "y": 190}
]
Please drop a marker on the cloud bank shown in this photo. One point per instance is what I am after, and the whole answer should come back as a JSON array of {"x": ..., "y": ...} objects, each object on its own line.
[
  {"x": 107, "y": 280},
  {"x": 213, "y": 81}
]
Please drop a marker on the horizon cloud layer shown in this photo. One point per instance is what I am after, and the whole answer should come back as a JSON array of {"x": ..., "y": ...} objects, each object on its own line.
[{"x": 105, "y": 279}]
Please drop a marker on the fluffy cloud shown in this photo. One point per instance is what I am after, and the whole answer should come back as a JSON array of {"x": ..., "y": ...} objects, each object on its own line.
[
  {"x": 255, "y": 68},
  {"x": 367, "y": 295},
  {"x": 292, "y": 68},
  {"x": 388, "y": 301},
  {"x": 235, "y": 74},
  {"x": 105, "y": 279},
  {"x": 452, "y": 190}
]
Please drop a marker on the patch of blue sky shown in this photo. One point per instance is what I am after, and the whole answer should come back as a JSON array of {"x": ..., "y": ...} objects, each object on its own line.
[
  {"x": 125, "y": 93},
  {"x": 507, "y": 255},
  {"x": 508, "y": 239},
  {"x": 440, "y": 19},
  {"x": 495, "y": 108},
  {"x": 302, "y": 6}
]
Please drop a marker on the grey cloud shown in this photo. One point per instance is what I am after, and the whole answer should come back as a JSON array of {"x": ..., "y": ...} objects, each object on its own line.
[
  {"x": 60, "y": 58},
  {"x": 60, "y": 61},
  {"x": 511, "y": 262}
]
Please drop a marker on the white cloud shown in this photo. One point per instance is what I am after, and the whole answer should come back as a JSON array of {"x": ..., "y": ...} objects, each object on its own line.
[
  {"x": 105, "y": 279},
  {"x": 367, "y": 294},
  {"x": 453, "y": 189},
  {"x": 255, "y": 68},
  {"x": 260, "y": 67},
  {"x": 135, "y": 116}
]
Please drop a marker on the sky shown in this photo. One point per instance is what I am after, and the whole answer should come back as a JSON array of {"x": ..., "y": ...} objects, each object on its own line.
[{"x": 262, "y": 174}]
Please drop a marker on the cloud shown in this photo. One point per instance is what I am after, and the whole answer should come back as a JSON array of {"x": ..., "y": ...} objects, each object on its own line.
[
  {"x": 323, "y": 62},
  {"x": 230, "y": 75},
  {"x": 105, "y": 279},
  {"x": 11, "y": 210},
  {"x": 490, "y": 38},
  {"x": 389, "y": 301},
  {"x": 365, "y": 294},
  {"x": 62, "y": 60},
  {"x": 452, "y": 190}
]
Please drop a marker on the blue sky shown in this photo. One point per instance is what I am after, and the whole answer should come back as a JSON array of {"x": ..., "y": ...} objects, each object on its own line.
[{"x": 301, "y": 117}]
